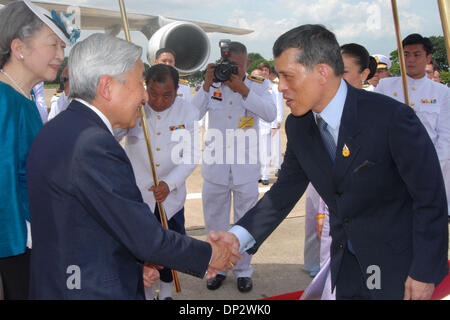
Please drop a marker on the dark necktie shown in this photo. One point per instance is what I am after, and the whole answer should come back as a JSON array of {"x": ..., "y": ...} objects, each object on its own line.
[{"x": 327, "y": 138}]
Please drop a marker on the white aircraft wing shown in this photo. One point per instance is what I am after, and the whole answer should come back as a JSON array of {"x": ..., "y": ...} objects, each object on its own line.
[{"x": 104, "y": 19}]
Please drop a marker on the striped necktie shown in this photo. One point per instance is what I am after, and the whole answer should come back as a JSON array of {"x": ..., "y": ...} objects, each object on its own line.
[{"x": 327, "y": 138}]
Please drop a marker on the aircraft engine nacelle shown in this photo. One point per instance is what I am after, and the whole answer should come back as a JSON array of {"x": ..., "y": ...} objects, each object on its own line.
[{"x": 189, "y": 42}]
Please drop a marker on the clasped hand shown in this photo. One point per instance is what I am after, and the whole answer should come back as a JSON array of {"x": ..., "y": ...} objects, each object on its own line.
[{"x": 225, "y": 252}]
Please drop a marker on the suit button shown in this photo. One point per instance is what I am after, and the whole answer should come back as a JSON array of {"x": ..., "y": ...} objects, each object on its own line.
[
  {"x": 341, "y": 246},
  {"x": 338, "y": 193},
  {"x": 346, "y": 221}
]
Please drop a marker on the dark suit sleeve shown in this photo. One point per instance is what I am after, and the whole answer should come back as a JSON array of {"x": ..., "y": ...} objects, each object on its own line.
[
  {"x": 418, "y": 165},
  {"x": 270, "y": 211},
  {"x": 105, "y": 185}
]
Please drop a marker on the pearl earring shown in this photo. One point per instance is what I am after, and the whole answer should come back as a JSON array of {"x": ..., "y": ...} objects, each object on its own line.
[{"x": 21, "y": 57}]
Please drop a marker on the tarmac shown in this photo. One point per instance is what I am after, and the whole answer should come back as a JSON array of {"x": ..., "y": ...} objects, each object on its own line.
[{"x": 278, "y": 264}]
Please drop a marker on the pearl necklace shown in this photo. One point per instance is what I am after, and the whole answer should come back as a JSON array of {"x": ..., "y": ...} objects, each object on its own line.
[{"x": 15, "y": 83}]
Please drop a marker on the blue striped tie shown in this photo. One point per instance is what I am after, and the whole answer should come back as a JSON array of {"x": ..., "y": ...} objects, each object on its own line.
[{"x": 327, "y": 138}]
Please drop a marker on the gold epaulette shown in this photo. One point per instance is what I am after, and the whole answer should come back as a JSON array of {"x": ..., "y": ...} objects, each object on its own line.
[
  {"x": 182, "y": 81},
  {"x": 366, "y": 85},
  {"x": 255, "y": 78},
  {"x": 275, "y": 81},
  {"x": 58, "y": 94}
]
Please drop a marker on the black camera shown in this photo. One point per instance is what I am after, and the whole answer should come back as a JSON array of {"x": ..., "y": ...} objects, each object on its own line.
[{"x": 224, "y": 70}]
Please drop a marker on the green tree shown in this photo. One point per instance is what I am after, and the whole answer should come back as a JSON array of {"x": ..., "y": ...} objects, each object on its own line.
[
  {"x": 439, "y": 52},
  {"x": 445, "y": 77}
]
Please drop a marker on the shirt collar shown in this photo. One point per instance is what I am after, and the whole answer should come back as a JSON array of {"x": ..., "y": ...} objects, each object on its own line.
[
  {"x": 332, "y": 113},
  {"x": 99, "y": 113},
  {"x": 416, "y": 81}
]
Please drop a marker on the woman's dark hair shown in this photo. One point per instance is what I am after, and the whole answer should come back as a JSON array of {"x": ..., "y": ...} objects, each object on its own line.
[
  {"x": 373, "y": 65},
  {"x": 362, "y": 58}
]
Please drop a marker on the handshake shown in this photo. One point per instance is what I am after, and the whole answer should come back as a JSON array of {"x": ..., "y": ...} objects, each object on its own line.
[{"x": 225, "y": 252}]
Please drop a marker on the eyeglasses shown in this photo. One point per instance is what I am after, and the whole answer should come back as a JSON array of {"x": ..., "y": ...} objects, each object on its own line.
[{"x": 63, "y": 79}]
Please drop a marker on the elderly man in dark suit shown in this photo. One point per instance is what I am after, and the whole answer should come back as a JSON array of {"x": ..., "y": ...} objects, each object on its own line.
[
  {"x": 372, "y": 162},
  {"x": 91, "y": 230}
]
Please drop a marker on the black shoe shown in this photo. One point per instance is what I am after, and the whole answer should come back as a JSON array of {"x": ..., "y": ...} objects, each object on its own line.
[
  {"x": 244, "y": 284},
  {"x": 166, "y": 298},
  {"x": 265, "y": 182},
  {"x": 215, "y": 283}
]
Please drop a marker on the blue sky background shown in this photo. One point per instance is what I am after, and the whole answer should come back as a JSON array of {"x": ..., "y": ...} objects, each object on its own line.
[{"x": 368, "y": 23}]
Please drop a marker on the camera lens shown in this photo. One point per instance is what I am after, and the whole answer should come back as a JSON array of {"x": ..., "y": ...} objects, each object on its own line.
[{"x": 222, "y": 72}]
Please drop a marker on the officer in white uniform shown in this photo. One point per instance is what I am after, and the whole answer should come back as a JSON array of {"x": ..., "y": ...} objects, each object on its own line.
[
  {"x": 384, "y": 64},
  {"x": 60, "y": 101},
  {"x": 172, "y": 124},
  {"x": 264, "y": 133},
  {"x": 276, "y": 125},
  {"x": 429, "y": 99},
  {"x": 230, "y": 163}
]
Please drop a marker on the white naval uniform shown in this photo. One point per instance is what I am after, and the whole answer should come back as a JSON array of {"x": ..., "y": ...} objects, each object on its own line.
[
  {"x": 276, "y": 138},
  {"x": 57, "y": 105},
  {"x": 369, "y": 88},
  {"x": 264, "y": 138},
  {"x": 164, "y": 127},
  {"x": 223, "y": 178},
  {"x": 39, "y": 96},
  {"x": 184, "y": 90},
  {"x": 431, "y": 102}
]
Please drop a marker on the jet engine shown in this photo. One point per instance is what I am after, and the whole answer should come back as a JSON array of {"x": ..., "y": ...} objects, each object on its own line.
[{"x": 189, "y": 42}]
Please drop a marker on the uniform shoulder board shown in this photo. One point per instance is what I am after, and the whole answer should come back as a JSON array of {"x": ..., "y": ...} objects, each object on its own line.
[
  {"x": 275, "y": 81},
  {"x": 58, "y": 94},
  {"x": 256, "y": 78},
  {"x": 182, "y": 81},
  {"x": 366, "y": 85}
]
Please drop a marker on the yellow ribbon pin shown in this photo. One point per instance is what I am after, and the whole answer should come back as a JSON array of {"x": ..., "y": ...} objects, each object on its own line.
[{"x": 345, "y": 151}]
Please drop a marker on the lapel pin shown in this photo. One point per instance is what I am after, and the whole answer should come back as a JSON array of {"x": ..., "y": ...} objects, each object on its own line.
[{"x": 345, "y": 151}]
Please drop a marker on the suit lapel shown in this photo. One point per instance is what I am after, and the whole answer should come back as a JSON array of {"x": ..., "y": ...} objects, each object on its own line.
[
  {"x": 312, "y": 151},
  {"x": 348, "y": 145}
]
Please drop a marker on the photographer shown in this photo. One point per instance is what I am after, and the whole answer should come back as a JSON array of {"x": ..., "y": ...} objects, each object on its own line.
[{"x": 234, "y": 102}]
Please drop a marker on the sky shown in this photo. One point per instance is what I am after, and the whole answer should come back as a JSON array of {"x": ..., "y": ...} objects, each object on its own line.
[{"x": 367, "y": 22}]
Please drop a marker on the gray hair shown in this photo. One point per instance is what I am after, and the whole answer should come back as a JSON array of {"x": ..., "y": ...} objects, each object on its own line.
[
  {"x": 17, "y": 22},
  {"x": 99, "y": 54}
]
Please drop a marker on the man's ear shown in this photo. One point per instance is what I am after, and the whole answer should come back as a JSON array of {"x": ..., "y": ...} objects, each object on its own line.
[
  {"x": 105, "y": 87},
  {"x": 324, "y": 72},
  {"x": 429, "y": 57}
]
